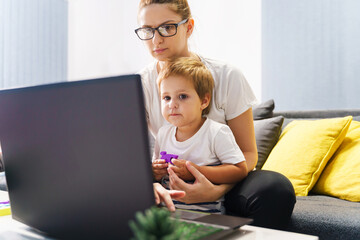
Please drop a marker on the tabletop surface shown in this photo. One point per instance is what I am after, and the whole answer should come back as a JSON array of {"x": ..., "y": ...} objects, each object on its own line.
[{"x": 12, "y": 229}]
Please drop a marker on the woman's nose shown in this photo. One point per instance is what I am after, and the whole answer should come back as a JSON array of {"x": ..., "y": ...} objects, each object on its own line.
[{"x": 157, "y": 39}]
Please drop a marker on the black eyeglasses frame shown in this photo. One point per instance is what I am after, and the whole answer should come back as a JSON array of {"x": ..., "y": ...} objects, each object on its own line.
[{"x": 157, "y": 29}]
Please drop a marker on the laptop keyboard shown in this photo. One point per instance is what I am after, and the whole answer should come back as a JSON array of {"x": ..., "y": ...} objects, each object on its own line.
[{"x": 197, "y": 231}]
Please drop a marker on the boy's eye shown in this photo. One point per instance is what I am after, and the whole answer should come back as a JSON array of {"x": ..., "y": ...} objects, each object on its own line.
[
  {"x": 183, "y": 96},
  {"x": 166, "y": 98}
]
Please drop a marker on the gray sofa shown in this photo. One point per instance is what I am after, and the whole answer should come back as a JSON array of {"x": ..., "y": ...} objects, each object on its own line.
[
  {"x": 320, "y": 215},
  {"x": 323, "y": 216}
]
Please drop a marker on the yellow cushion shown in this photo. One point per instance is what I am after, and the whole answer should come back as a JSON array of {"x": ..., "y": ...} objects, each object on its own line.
[
  {"x": 341, "y": 176},
  {"x": 304, "y": 148}
]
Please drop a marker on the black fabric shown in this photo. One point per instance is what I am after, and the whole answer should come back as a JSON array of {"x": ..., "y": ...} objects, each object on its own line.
[{"x": 265, "y": 196}]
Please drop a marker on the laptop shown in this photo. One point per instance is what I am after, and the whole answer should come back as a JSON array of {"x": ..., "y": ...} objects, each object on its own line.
[{"x": 77, "y": 158}]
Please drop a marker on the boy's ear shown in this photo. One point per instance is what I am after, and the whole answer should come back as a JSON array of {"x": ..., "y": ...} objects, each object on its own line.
[{"x": 205, "y": 101}]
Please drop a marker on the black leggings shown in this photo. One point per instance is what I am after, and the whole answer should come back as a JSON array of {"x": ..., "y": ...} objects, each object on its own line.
[{"x": 265, "y": 196}]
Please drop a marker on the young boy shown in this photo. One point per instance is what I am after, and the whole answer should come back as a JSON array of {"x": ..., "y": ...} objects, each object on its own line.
[{"x": 186, "y": 86}]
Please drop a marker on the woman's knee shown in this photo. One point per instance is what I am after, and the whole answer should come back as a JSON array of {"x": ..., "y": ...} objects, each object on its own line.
[{"x": 267, "y": 197}]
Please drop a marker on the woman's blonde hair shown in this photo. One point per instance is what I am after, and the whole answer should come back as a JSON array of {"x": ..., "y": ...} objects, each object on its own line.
[
  {"x": 180, "y": 7},
  {"x": 193, "y": 70}
]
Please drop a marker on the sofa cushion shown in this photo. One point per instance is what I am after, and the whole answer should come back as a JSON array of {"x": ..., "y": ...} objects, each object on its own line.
[
  {"x": 304, "y": 148},
  {"x": 263, "y": 110},
  {"x": 326, "y": 217},
  {"x": 267, "y": 132},
  {"x": 340, "y": 177}
]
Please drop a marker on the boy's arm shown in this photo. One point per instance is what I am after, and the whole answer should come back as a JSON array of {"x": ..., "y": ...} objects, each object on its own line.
[
  {"x": 234, "y": 167},
  {"x": 202, "y": 190},
  {"x": 225, "y": 173}
]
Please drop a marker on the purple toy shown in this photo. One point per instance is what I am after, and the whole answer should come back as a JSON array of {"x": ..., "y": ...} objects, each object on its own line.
[{"x": 168, "y": 157}]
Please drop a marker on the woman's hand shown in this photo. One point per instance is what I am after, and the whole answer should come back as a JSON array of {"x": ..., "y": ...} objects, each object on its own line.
[
  {"x": 159, "y": 167},
  {"x": 181, "y": 170},
  {"x": 202, "y": 190},
  {"x": 165, "y": 196}
]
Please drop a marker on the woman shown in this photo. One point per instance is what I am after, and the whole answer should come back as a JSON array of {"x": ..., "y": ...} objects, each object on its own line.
[{"x": 166, "y": 26}]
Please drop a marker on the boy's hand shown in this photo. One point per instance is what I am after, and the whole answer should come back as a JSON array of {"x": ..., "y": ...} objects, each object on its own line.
[
  {"x": 181, "y": 170},
  {"x": 159, "y": 167}
]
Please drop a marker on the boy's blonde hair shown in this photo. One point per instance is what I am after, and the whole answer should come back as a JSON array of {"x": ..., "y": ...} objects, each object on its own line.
[
  {"x": 193, "y": 70},
  {"x": 180, "y": 7}
]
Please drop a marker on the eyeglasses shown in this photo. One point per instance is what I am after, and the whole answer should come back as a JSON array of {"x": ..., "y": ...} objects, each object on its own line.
[{"x": 165, "y": 30}]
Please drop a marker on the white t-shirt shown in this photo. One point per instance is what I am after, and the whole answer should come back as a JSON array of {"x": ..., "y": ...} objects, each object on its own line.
[
  {"x": 232, "y": 93},
  {"x": 213, "y": 144}
]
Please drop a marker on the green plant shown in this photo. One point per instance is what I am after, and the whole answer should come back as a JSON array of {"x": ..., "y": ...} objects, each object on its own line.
[{"x": 156, "y": 224}]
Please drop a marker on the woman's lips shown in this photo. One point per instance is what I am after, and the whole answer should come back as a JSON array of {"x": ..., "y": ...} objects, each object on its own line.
[{"x": 159, "y": 50}]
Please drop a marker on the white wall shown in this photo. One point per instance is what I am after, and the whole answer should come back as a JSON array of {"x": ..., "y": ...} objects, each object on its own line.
[
  {"x": 230, "y": 30},
  {"x": 311, "y": 54},
  {"x": 102, "y": 41},
  {"x": 33, "y": 42}
]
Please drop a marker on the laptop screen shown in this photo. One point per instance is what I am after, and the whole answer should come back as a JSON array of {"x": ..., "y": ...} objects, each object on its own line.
[{"x": 76, "y": 156}]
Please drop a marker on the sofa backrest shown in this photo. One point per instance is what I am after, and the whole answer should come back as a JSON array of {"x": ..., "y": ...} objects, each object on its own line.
[
  {"x": 317, "y": 113},
  {"x": 289, "y": 116}
]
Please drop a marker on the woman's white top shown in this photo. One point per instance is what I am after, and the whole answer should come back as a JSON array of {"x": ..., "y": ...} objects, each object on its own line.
[{"x": 232, "y": 94}]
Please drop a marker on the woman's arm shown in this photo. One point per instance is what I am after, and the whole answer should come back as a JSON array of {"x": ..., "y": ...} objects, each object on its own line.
[
  {"x": 202, "y": 190},
  {"x": 243, "y": 129}
]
